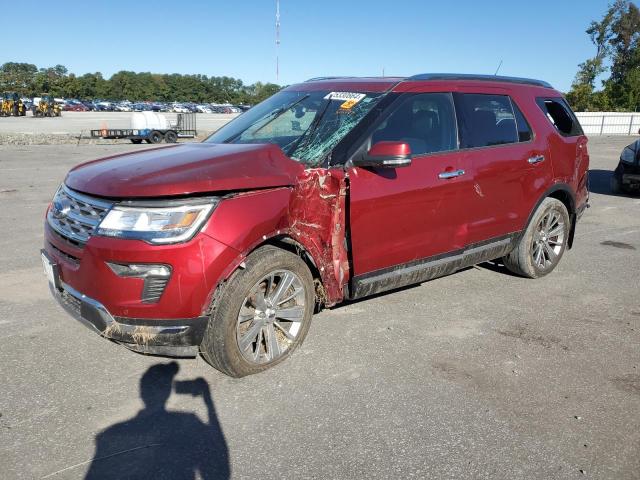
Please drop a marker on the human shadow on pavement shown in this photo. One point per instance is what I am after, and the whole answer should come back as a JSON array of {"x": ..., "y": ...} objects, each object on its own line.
[{"x": 159, "y": 443}]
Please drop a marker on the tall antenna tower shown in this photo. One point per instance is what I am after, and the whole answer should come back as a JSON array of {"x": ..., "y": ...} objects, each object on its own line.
[{"x": 277, "y": 40}]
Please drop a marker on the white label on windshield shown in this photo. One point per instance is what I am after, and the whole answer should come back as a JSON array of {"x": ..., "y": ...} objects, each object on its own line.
[{"x": 344, "y": 96}]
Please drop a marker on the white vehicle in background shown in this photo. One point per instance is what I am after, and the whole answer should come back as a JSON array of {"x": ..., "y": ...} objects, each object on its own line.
[
  {"x": 123, "y": 107},
  {"x": 179, "y": 108},
  {"x": 203, "y": 109}
]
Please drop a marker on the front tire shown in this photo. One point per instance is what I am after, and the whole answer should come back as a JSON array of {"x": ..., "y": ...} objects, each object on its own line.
[
  {"x": 543, "y": 243},
  {"x": 261, "y": 315}
]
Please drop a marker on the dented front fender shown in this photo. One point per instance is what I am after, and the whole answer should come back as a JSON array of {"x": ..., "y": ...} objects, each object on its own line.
[{"x": 311, "y": 212}]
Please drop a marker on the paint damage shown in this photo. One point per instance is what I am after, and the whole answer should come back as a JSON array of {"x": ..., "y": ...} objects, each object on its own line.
[{"x": 317, "y": 220}]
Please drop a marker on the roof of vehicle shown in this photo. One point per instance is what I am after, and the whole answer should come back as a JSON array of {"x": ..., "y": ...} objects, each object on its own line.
[
  {"x": 380, "y": 84},
  {"x": 363, "y": 84},
  {"x": 481, "y": 78}
]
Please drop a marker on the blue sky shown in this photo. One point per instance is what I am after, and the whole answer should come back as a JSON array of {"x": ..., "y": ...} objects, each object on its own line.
[{"x": 541, "y": 39}]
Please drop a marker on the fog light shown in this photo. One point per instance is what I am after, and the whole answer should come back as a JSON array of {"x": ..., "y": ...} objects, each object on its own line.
[{"x": 156, "y": 277}]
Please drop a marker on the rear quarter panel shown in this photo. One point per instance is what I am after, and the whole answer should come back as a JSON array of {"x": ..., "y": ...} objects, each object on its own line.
[{"x": 566, "y": 156}]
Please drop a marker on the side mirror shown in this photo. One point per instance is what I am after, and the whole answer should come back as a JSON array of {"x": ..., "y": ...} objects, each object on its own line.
[{"x": 386, "y": 155}]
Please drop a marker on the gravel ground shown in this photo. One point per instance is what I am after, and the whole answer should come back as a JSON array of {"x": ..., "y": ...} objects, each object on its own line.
[{"x": 477, "y": 375}]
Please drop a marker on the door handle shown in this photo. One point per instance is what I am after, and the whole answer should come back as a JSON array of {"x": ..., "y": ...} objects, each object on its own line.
[
  {"x": 536, "y": 159},
  {"x": 451, "y": 174}
]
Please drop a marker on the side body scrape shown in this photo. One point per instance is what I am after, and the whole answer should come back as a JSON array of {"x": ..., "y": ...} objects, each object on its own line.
[{"x": 317, "y": 220}]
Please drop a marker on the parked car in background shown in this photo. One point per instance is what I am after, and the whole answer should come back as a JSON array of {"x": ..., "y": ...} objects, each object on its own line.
[
  {"x": 179, "y": 108},
  {"x": 104, "y": 106},
  {"x": 221, "y": 109},
  {"x": 626, "y": 176},
  {"x": 203, "y": 109},
  {"x": 123, "y": 107},
  {"x": 141, "y": 107},
  {"x": 330, "y": 190},
  {"x": 90, "y": 105},
  {"x": 74, "y": 106}
]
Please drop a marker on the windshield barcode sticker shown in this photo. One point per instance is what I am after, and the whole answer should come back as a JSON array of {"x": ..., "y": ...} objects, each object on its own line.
[
  {"x": 348, "y": 99},
  {"x": 345, "y": 96}
]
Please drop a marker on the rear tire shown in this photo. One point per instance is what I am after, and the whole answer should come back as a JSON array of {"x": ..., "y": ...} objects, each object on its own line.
[
  {"x": 543, "y": 243},
  {"x": 155, "y": 137},
  {"x": 171, "y": 137},
  {"x": 250, "y": 312}
]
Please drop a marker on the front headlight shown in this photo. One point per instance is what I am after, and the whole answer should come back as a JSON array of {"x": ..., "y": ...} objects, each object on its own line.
[
  {"x": 628, "y": 154},
  {"x": 155, "y": 224}
]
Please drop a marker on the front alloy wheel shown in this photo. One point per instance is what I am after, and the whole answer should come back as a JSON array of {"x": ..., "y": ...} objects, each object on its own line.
[
  {"x": 270, "y": 317},
  {"x": 261, "y": 314}
]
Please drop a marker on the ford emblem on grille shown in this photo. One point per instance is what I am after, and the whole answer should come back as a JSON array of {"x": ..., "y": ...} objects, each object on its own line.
[
  {"x": 61, "y": 206},
  {"x": 75, "y": 216}
]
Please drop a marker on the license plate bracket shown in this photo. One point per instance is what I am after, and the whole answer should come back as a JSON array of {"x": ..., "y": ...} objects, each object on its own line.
[{"x": 51, "y": 270}]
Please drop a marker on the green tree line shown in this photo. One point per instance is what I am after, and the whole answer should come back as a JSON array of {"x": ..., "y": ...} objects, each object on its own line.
[
  {"x": 616, "y": 38},
  {"x": 27, "y": 79}
]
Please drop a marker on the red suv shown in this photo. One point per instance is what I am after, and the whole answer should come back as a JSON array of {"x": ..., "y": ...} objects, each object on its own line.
[{"x": 332, "y": 189}]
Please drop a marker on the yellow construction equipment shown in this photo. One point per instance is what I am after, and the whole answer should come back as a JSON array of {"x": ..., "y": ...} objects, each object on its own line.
[
  {"x": 47, "y": 107},
  {"x": 12, "y": 105}
]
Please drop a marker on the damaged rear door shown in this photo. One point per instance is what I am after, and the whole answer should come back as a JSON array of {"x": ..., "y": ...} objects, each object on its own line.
[{"x": 405, "y": 220}]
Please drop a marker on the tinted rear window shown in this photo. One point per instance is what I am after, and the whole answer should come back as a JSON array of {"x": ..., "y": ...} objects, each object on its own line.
[{"x": 489, "y": 120}]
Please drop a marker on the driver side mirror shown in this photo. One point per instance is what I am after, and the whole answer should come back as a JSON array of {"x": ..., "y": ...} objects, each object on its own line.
[{"x": 386, "y": 155}]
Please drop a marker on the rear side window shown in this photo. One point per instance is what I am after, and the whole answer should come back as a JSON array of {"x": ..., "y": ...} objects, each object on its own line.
[
  {"x": 425, "y": 121},
  {"x": 560, "y": 116},
  {"x": 488, "y": 120}
]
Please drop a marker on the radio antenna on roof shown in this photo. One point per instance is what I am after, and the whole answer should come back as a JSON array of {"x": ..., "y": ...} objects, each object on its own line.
[
  {"x": 497, "y": 69},
  {"x": 277, "y": 39}
]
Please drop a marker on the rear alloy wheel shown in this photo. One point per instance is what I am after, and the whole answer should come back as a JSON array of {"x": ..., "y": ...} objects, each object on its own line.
[
  {"x": 262, "y": 314},
  {"x": 542, "y": 245}
]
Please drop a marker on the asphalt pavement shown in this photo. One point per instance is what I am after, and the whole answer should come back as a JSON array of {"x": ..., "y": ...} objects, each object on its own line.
[{"x": 480, "y": 374}]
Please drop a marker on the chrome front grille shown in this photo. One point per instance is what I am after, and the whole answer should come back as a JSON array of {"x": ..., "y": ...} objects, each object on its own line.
[{"x": 75, "y": 216}]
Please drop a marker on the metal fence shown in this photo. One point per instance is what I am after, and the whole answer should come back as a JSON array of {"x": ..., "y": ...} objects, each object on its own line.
[{"x": 602, "y": 123}]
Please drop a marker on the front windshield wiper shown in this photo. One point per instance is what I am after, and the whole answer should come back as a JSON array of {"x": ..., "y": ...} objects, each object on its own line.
[{"x": 271, "y": 116}]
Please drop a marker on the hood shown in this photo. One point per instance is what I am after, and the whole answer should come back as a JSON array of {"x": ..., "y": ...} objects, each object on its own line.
[{"x": 185, "y": 169}]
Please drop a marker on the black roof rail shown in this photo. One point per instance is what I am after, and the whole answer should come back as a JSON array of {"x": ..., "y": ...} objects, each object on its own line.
[
  {"x": 482, "y": 78},
  {"x": 316, "y": 79}
]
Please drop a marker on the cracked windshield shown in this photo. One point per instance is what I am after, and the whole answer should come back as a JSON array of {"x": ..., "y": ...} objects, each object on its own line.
[{"x": 305, "y": 125}]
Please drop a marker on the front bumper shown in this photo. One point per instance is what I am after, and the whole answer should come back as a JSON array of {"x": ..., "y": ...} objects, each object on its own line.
[
  {"x": 171, "y": 338},
  {"x": 629, "y": 174}
]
